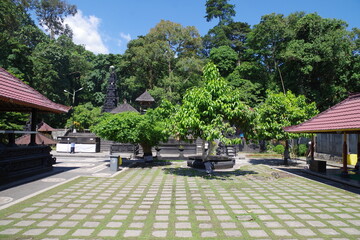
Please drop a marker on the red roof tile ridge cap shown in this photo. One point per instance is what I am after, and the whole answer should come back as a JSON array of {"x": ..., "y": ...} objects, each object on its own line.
[{"x": 354, "y": 95}]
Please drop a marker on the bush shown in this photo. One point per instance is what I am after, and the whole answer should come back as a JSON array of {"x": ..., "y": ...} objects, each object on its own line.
[
  {"x": 279, "y": 149},
  {"x": 302, "y": 149}
]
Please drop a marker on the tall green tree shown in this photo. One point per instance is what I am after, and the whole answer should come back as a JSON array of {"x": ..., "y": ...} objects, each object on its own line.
[
  {"x": 266, "y": 42},
  {"x": 211, "y": 112},
  {"x": 51, "y": 14},
  {"x": 233, "y": 35},
  {"x": 306, "y": 54},
  {"x": 84, "y": 116},
  {"x": 318, "y": 57},
  {"x": 225, "y": 58},
  {"x": 18, "y": 38},
  {"x": 148, "y": 130},
  {"x": 281, "y": 110},
  {"x": 166, "y": 61},
  {"x": 220, "y": 9}
]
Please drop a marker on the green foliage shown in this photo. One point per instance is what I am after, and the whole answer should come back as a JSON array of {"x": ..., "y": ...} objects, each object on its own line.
[
  {"x": 224, "y": 58},
  {"x": 148, "y": 130},
  {"x": 84, "y": 116},
  {"x": 279, "y": 149},
  {"x": 220, "y": 9},
  {"x": 233, "y": 35},
  {"x": 211, "y": 112},
  {"x": 302, "y": 149},
  {"x": 306, "y": 54},
  {"x": 51, "y": 14},
  {"x": 281, "y": 110},
  {"x": 165, "y": 61},
  {"x": 13, "y": 120}
]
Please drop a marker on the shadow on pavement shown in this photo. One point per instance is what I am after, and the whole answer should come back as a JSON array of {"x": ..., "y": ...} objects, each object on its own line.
[
  {"x": 143, "y": 164},
  {"x": 297, "y": 167},
  {"x": 218, "y": 175},
  {"x": 25, "y": 180}
]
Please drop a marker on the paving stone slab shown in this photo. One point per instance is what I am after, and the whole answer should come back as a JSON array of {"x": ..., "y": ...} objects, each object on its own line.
[
  {"x": 160, "y": 234},
  {"x": 108, "y": 233},
  {"x": 132, "y": 233},
  {"x": 183, "y": 225},
  {"x": 11, "y": 231},
  {"x": 161, "y": 225},
  {"x": 58, "y": 232},
  {"x": 328, "y": 231},
  {"x": 34, "y": 232},
  {"x": 83, "y": 232},
  {"x": 281, "y": 232},
  {"x": 46, "y": 223},
  {"x": 305, "y": 232},
  {"x": 136, "y": 225},
  {"x": 233, "y": 233},
  {"x": 352, "y": 231},
  {"x": 257, "y": 233},
  {"x": 183, "y": 234},
  {"x": 114, "y": 224},
  {"x": 69, "y": 224},
  {"x": 208, "y": 234}
]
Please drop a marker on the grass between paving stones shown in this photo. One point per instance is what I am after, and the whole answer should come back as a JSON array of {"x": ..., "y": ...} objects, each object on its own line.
[{"x": 246, "y": 200}]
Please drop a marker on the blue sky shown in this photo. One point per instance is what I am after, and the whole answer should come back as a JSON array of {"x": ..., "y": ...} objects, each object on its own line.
[{"x": 106, "y": 26}]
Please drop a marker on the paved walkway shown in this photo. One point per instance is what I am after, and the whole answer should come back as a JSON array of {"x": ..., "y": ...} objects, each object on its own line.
[{"x": 176, "y": 202}]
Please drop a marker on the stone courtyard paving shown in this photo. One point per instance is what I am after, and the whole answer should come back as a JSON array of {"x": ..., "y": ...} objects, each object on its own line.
[{"x": 176, "y": 202}]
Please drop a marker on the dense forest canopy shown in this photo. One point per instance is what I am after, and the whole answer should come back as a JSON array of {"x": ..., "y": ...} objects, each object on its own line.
[{"x": 303, "y": 53}]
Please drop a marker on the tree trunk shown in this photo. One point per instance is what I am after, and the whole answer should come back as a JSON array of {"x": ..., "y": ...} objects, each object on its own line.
[
  {"x": 207, "y": 153},
  {"x": 286, "y": 152},
  {"x": 147, "y": 149}
]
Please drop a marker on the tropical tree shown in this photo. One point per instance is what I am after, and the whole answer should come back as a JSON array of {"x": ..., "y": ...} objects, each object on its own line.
[
  {"x": 166, "y": 61},
  {"x": 306, "y": 54},
  {"x": 51, "y": 14},
  {"x": 211, "y": 112},
  {"x": 280, "y": 110},
  {"x": 225, "y": 58},
  {"x": 233, "y": 35},
  {"x": 84, "y": 116},
  {"x": 148, "y": 130},
  {"x": 18, "y": 37},
  {"x": 220, "y": 9}
]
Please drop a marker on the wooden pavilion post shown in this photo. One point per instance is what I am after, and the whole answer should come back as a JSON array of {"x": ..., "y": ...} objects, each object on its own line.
[
  {"x": 344, "y": 172},
  {"x": 358, "y": 153},
  {"x": 312, "y": 148},
  {"x": 33, "y": 127}
]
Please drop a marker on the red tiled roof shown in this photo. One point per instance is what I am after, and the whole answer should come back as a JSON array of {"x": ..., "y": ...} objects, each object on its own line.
[
  {"x": 44, "y": 127},
  {"x": 39, "y": 139},
  {"x": 17, "y": 96},
  {"x": 343, "y": 117}
]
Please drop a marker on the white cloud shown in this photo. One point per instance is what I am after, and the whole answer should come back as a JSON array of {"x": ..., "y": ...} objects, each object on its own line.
[
  {"x": 124, "y": 38},
  {"x": 86, "y": 32}
]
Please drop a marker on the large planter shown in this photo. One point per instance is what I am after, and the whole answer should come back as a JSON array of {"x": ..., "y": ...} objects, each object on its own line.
[{"x": 217, "y": 162}]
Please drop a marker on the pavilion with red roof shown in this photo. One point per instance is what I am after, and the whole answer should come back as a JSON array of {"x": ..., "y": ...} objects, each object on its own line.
[
  {"x": 342, "y": 118},
  {"x": 16, "y": 96}
]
